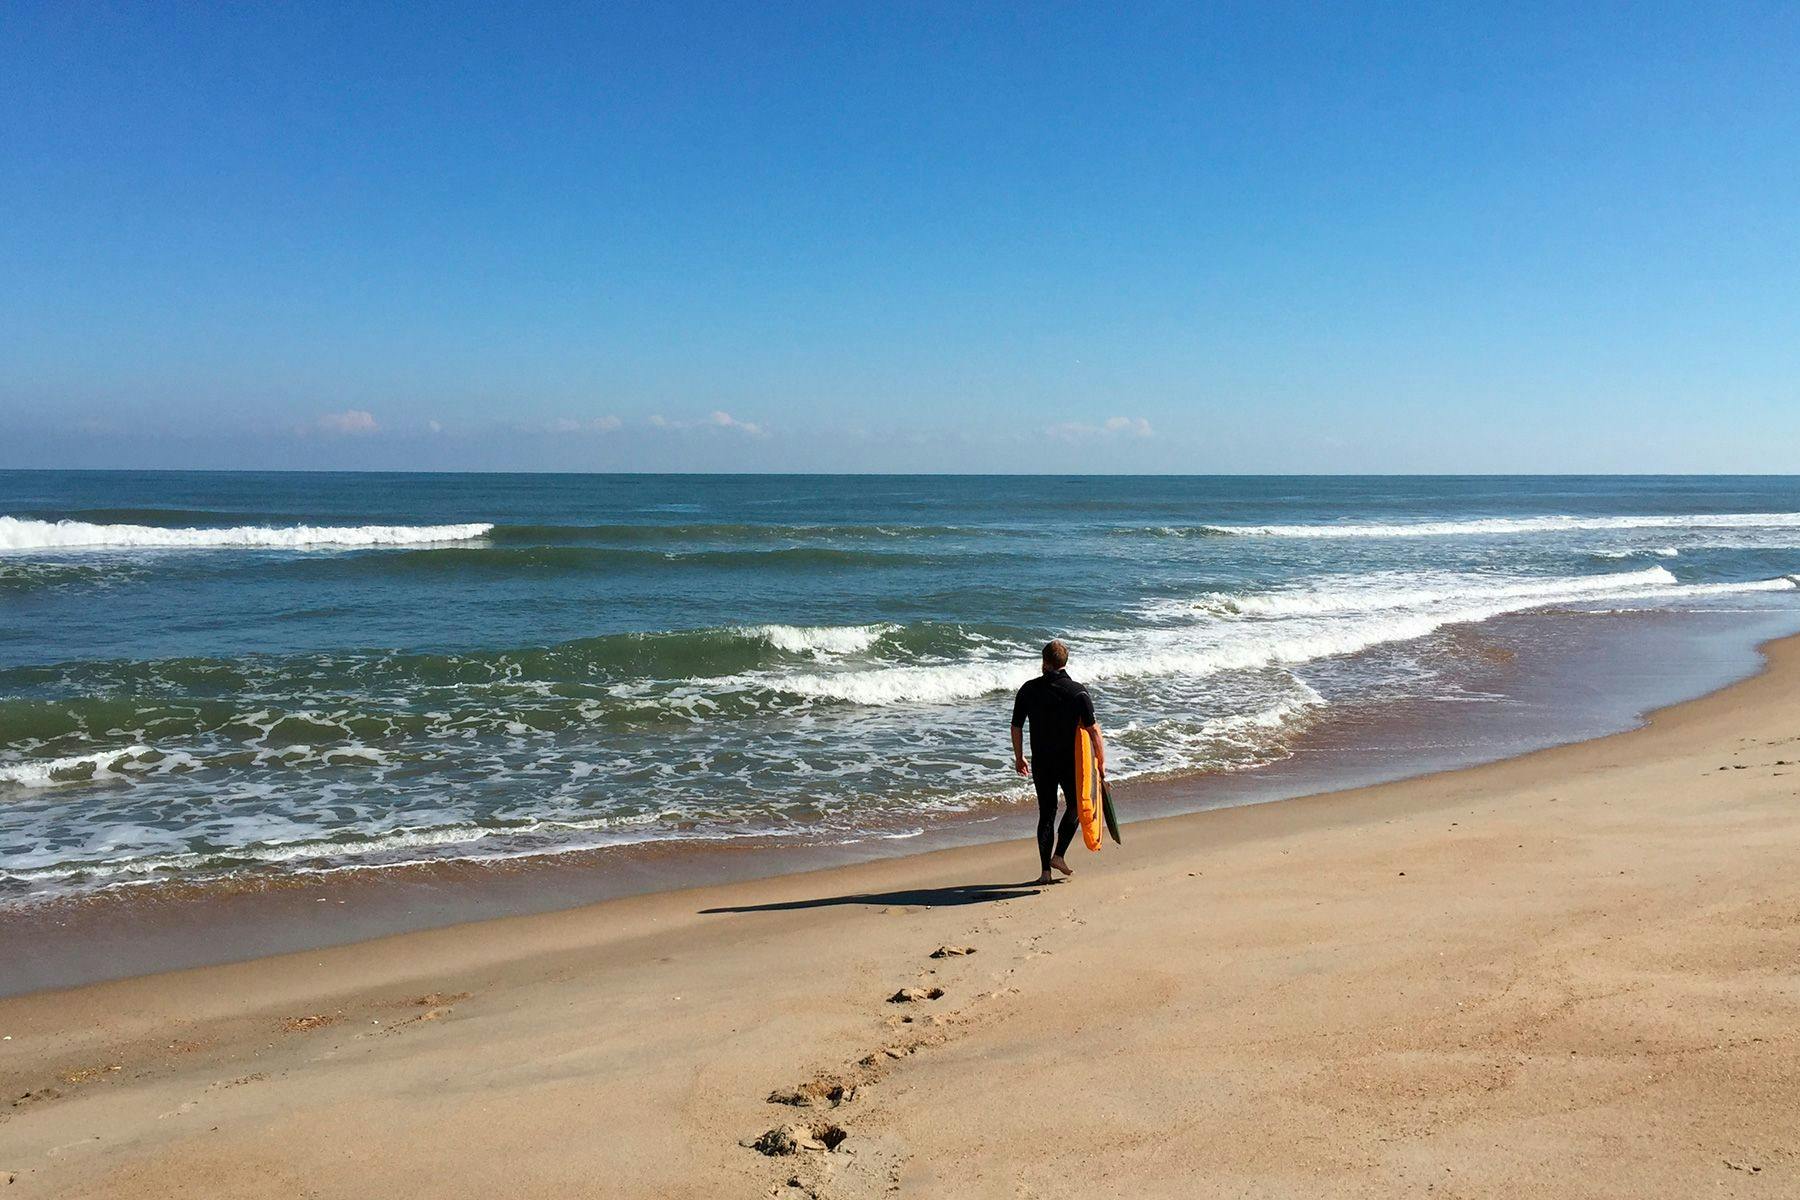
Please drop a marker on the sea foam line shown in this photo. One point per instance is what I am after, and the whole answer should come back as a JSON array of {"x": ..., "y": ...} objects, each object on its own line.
[
  {"x": 1381, "y": 592},
  {"x": 26, "y": 534},
  {"x": 1330, "y": 629},
  {"x": 1504, "y": 525}
]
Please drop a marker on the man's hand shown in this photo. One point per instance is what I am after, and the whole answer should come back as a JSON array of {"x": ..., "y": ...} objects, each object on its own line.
[{"x": 1020, "y": 765}]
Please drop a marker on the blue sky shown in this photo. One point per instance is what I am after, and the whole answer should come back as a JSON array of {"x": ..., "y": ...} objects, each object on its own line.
[{"x": 901, "y": 237}]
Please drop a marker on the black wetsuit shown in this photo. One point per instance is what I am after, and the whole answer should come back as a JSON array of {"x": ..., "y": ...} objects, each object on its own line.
[{"x": 1056, "y": 706}]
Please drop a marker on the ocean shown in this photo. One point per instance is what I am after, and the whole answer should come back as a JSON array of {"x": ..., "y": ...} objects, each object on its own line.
[{"x": 231, "y": 678}]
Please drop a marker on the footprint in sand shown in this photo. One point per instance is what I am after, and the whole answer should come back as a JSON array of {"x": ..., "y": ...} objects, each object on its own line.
[
  {"x": 914, "y": 995},
  {"x": 37, "y": 1095}
]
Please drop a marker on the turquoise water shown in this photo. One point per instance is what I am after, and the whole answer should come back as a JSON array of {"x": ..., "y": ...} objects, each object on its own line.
[{"x": 219, "y": 674}]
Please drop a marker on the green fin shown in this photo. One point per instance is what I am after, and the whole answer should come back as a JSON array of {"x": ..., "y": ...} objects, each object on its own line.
[{"x": 1106, "y": 809}]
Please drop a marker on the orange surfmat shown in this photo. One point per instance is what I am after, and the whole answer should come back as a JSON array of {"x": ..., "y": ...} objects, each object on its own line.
[{"x": 1087, "y": 788}]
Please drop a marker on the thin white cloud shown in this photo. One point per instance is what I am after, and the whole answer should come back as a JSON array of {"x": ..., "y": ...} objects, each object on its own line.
[
  {"x": 717, "y": 420},
  {"x": 1131, "y": 426},
  {"x": 350, "y": 421},
  {"x": 1111, "y": 427},
  {"x": 606, "y": 424},
  {"x": 1080, "y": 431},
  {"x": 725, "y": 420}
]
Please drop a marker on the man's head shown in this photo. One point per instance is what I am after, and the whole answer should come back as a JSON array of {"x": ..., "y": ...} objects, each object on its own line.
[{"x": 1056, "y": 656}]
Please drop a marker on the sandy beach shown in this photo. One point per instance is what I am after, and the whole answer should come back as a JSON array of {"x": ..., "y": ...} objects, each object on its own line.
[{"x": 1566, "y": 974}]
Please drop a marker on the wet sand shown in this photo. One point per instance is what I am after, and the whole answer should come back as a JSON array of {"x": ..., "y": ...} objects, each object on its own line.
[{"x": 1571, "y": 973}]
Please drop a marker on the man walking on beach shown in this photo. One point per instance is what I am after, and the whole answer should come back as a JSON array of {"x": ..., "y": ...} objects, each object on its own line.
[{"x": 1056, "y": 706}]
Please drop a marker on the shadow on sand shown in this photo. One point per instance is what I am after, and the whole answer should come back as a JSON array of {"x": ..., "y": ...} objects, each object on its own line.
[{"x": 940, "y": 897}]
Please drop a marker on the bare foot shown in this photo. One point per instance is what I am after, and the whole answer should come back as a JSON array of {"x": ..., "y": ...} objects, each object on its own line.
[
  {"x": 1061, "y": 865},
  {"x": 1045, "y": 879}
]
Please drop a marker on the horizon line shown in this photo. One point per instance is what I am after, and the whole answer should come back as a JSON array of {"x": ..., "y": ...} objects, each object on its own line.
[{"x": 914, "y": 474}]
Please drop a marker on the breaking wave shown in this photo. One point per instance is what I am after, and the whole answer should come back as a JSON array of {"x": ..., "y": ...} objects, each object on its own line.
[
  {"x": 1496, "y": 525},
  {"x": 27, "y": 534},
  {"x": 1314, "y": 624},
  {"x": 78, "y": 768},
  {"x": 822, "y": 639}
]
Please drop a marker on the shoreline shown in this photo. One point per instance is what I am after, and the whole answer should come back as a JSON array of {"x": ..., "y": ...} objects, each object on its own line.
[
  {"x": 1523, "y": 975},
  {"x": 148, "y": 929}
]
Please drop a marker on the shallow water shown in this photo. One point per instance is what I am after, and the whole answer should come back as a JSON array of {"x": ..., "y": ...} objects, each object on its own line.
[{"x": 214, "y": 674}]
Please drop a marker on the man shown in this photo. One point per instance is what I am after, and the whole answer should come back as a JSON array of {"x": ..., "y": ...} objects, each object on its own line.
[{"x": 1056, "y": 706}]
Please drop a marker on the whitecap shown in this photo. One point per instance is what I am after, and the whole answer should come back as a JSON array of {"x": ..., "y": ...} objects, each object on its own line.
[
  {"x": 25, "y": 534},
  {"x": 1510, "y": 525}
]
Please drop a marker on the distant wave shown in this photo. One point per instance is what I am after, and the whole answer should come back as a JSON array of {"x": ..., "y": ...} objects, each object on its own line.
[
  {"x": 1377, "y": 593},
  {"x": 27, "y": 534},
  {"x": 505, "y": 561},
  {"x": 1492, "y": 525},
  {"x": 720, "y": 532},
  {"x": 153, "y": 516},
  {"x": 1646, "y": 552}
]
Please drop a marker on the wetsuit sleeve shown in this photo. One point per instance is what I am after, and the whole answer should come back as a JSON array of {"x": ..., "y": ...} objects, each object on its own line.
[
  {"x": 1018, "y": 720},
  {"x": 1086, "y": 706}
]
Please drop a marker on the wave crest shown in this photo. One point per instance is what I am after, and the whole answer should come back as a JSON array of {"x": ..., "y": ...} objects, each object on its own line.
[
  {"x": 1499, "y": 525},
  {"x": 18, "y": 533}
]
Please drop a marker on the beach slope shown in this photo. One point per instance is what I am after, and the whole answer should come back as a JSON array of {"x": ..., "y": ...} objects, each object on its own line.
[{"x": 1574, "y": 973}]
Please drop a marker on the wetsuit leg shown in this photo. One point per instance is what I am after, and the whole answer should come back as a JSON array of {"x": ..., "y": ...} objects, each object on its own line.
[
  {"x": 1071, "y": 818},
  {"x": 1046, "y": 829}
]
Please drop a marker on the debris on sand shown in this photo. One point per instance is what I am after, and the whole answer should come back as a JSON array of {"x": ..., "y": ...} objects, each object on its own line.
[
  {"x": 952, "y": 951},
  {"x": 308, "y": 1023},
  {"x": 795, "y": 1139},
  {"x": 823, "y": 1092},
  {"x": 89, "y": 1074},
  {"x": 912, "y": 995}
]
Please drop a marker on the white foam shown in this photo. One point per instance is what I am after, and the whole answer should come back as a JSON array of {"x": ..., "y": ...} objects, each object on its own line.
[
  {"x": 1308, "y": 626},
  {"x": 25, "y": 534},
  {"x": 821, "y": 639},
  {"x": 1232, "y": 742},
  {"x": 349, "y": 850},
  {"x": 1506, "y": 525},
  {"x": 77, "y": 768},
  {"x": 1369, "y": 593}
]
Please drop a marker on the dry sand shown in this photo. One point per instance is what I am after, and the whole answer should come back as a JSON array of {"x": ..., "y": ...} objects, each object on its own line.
[{"x": 1575, "y": 973}]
